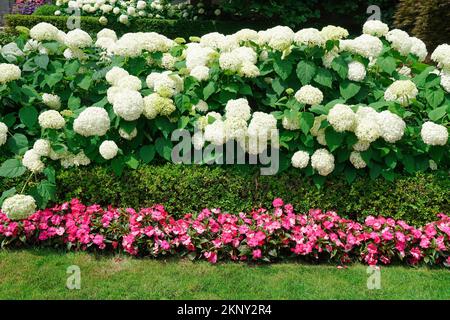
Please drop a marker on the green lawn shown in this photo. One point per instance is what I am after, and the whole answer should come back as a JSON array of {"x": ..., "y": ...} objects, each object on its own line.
[{"x": 41, "y": 274}]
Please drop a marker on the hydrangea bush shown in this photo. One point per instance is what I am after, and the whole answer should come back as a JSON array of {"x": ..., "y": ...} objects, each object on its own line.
[
  {"x": 214, "y": 235},
  {"x": 125, "y": 11},
  {"x": 368, "y": 105}
]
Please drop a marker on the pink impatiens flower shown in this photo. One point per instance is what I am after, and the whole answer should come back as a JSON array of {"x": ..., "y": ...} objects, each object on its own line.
[
  {"x": 277, "y": 203},
  {"x": 256, "y": 254}
]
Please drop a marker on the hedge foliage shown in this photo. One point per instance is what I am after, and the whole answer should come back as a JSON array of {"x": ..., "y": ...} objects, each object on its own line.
[
  {"x": 428, "y": 20},
  {"x": 183, "y": 188},
  {"x": 169, "y": 28},
  {"x": 6, "y": 38}
]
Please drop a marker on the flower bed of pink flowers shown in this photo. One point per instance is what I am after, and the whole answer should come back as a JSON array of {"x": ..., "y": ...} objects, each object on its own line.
[{"x": 261, "y": 235}]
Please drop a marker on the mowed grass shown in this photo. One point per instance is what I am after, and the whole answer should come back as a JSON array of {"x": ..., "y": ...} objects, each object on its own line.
[{"x": 41, "y": 274}]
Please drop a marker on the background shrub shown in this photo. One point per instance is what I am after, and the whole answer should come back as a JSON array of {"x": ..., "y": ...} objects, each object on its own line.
[
  {"x": 46, "y": 10},
  {"x": 428, "y": 20},
  {"x": 182, "y": 189}
]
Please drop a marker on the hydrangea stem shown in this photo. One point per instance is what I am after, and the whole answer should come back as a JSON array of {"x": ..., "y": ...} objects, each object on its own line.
[{"x": 26, "y": 182}]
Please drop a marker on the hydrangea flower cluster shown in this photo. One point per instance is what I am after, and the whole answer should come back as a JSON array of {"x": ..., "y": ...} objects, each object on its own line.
[{"x": 215, "y": 235}]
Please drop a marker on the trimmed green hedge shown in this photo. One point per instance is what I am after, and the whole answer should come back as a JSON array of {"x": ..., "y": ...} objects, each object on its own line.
[
  {"x": 182, "y": 189},
  {"x": 169, "y": 28}
]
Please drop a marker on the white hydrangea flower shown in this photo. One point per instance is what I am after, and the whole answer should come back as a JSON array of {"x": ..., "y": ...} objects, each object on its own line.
[
  {"x": 151, "y": 103},
  {"x": 70, "y": 160},
  {"x": 128, "y": 105},
  {"x": 198, "y": 56},
  {"x": 405, "y": 71},
  {"x": 365, "y": 45},
  {"x": 42, "y": 147},
  {"x": 249, "y": 70},
  {"x": 245, "y": 35},
  {"x": 401, "y": 91},
  {"x": 103, "y": 20},
  {"x": 400, "y": 41},
  {"x": 367, "y": 129},
  {"x": 356, "y": 71},
  {"x": 215, "y": 133},
  {"x": 123, "y": 19},
  {"x": 333, "y": 33},
  {"x": 278, "y": 38},
  {"x": 34, "y": 45},
  {"x": 322, "y": 161},
  {"x": 115, "y": 74},
  {"x": 392, "y": 127},
  {"x": 141, "y": 5},
  {"x": 235, "y": 128},
  {"x": 201, "y": 73},
  {"x": 105, "y": 44},
  {"x": 51, "y": 119},
  {"x": 198, "y": 140},
  {"x": 262, "y": 124},
  {"x": 107, "y": 33},
  {"x": 44, "y": 32},
  {"x": 154, "y": 104},
  {"x": 357, "y": 161},
  {"x": 309, "y": 95},
  {"x": 229, "y": 44},
  {"x": 128, "y": 136},
  {"x": 130, "y": 82},
  {"x": 361, "y": 145},
  {"x": 201, "y": 106},
  {"x": 19, "y": 207},
  {"x": 52, "y": 101},
  {"x": 433, "y": 165},
  {"x": 300, "y": 159},
  {"x": 9, "y": 72},
  {"x": 92, "y": 121},
  {"x": 112, "y": 92},
  {"x": 434, "y": 134},
  {"x": 3, "y": 133},
  {"x": 365, "y": 111},
  {"x": 328, "y": 58},
  {"x": 342, "y": 118},
  {"x": 230, "y": 61},
  {"x": 212, "y": 40},
  {"x": 291, "y": 124},
  {"x": 108, "y": 149},
  {"x": 419, "y": 48},
  {"x": 375, "y": 28},
  {"x": 129, "y": 46},
  {"x": 74, "y": 53},
  {"x": 445, "y": 80},
  {"x": 310, "y": 37},
  {"x": 238, "y": 108},
  {"x": 441, "y": 55},
  {"x": 78, "y": 38},
  {"x": 32, "y": 161},
  {"x": 165, "y": 84},
  {"x": 168, "y": 61}
]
